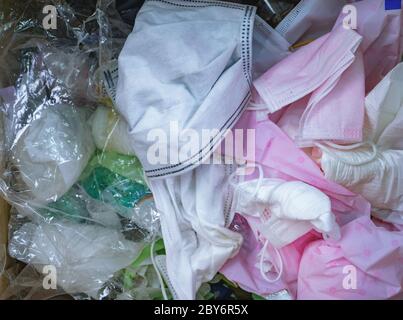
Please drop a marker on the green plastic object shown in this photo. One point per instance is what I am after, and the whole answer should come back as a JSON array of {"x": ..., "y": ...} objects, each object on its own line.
[
  {"x": 110, "y": 187},
  {"x": 115, "y": 179},
  {"x": 124, "y": 165},
  {"x": 129, "y": 274},
  {"x": 71, "y": 206}
]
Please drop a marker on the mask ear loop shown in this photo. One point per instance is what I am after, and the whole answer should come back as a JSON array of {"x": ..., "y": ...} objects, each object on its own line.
[
  {"x": 269, "y": 5},
  {"x": 280, "y": 261},
  {"x": 325, "y": 146},
  {"x": 161, "y": 281},
  {"x": 263, "y": 255},
  {"x": 259, "y": 180},
  {"x": 253, "y": 106},
  {"x": 279, "y": 269}
]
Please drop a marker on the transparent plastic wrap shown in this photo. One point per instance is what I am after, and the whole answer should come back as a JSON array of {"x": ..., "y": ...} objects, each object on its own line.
[
  {"x": 91, "y": 262},
  {"x": 86, "y": 37},
  {"x": 26, "y": 283},
  {"x": 274, "y": 11},
  {"x": 83, "y": 256},
  {"x": 80, "y": 207},
  {"x": 128, "y": 9}
]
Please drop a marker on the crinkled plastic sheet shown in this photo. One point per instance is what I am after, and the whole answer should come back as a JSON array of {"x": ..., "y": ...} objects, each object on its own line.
[
  {"x": 91, "y": 264},
  {"x": 85, "y": 211},
  {"x": 26, "y": 284}
]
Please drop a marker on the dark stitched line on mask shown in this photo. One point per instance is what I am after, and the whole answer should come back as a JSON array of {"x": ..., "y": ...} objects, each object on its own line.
[
  {"x": 243, "y": 47},
  {"x": 201, "y": 151},
  {"x": 191, "y": 164},
  {"x": 245, "y": 44},
  {"x": 229, "y": 197},
  {"x": 164, "y": 271},
  {"x": 204, "y": 4},
  {"x": 225, "y": 126},
  {"x": 226, "y": 200},
  {"x": 246, "y": 67},
  {"x": 248, "y": 45},
  {"x": 226, "y": 194},
  {"x": 290, "y": 19},
  {"x": 245, "y": 27}
]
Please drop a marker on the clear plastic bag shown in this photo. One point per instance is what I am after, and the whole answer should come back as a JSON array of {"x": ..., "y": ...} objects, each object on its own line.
[
  {"x": 85, "y": 211},
  {"x": 84, "y": 256},
  {"x": 26, "y": 283}
]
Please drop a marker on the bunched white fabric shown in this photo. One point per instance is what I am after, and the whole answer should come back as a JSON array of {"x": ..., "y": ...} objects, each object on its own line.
[{"x": 185, "y": 63}]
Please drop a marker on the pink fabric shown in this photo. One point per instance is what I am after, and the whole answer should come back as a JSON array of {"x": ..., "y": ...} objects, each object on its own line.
[
  {"x": 328, "y": 77},
  {"x": 315, "y": 78},
  {"x": 347, "y": 97},
  {"x": 280, "y": 158},
  {"x": 382, "y": 43},
  {"x": 318, "y": 63},
  {"x": 376, "y": 254},
  {"x": 244, "y": 268}
]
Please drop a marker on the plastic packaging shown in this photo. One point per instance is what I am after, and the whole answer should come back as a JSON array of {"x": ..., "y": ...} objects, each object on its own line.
[
  {"x": 86, "y": 212},
  {"x": 109, "y": 130},
  {"x": 273, "y": 11},
  {"x": 26, "y": 283},
  {"x": 52, "y": 151},
  {"x": 118, "y": 181},
  {"x": 84, "y": 255}
]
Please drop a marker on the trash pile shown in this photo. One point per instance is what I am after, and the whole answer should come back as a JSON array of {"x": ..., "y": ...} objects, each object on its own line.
[{"x": 202, "y": 149}]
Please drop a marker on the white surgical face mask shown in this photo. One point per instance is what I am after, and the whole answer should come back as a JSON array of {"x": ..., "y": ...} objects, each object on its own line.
[
  {"x": 193, "y": 209},
  {"x": 269, "y": 47},
  {"x": 310, "y": 19},
  {"x": 288, "y": 209},
  {"x": 384, "y": 112},
  {"x": 201, "y": 80},
  {"x": 374, "y": 168},
  {"x": 376, "y": 175}
]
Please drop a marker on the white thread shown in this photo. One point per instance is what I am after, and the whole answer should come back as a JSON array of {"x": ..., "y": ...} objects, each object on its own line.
[
  {"x": 236, "y": 173},
  {"x": 253, "y": 106},
  {"x": 161, "y": 281},
  {"x": 279, "y": 269},
  {"x": 325, "y": 146},
  {"x": 262, "y": 256},
  {"x": 270, "y": 6}
]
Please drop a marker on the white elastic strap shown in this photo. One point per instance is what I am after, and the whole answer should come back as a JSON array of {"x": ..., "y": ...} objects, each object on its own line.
[
  {"x": 108, "y": 138},
  {"x": 236, "y": 173},
  {"x": 253, "y": 106},
  {"x": 3, "y": 268},
  {"x": 263, "y": 254},
  {"x": 161, "y": 281},
  {"x": 270, "y": 6},
  {"x": 279, "y": 269},
  {"x": 259, "y": 181},
  {"x": 325, "y": 146}
]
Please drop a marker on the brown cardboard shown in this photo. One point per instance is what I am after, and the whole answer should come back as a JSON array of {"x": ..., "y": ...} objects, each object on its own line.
[{"x": 4, "y": 216}]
